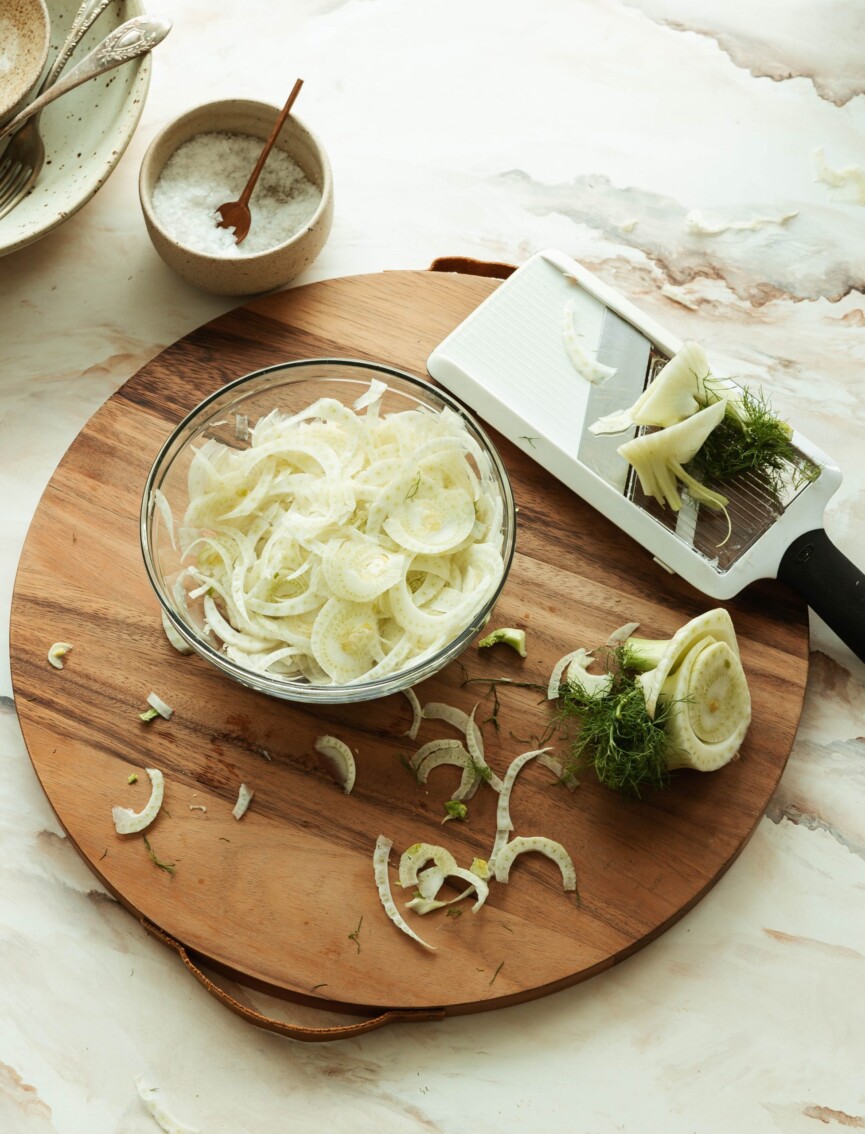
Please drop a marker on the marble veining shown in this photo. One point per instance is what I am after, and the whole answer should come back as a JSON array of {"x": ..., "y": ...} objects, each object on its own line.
[
  {"x": 489, "y": 129},
  {"x": 800, "y": 258},
  {"x": 780, "y": 41}
]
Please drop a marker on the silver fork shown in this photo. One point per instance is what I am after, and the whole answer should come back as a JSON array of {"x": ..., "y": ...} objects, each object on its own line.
[{"x": 24, "y": 155}]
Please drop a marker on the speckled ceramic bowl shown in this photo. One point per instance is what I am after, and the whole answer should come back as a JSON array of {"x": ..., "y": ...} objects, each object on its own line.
[
  {"x": 85, "y": 133},
  {"x": 240, "y": 273},
  {"x": 24, "y": 36}
]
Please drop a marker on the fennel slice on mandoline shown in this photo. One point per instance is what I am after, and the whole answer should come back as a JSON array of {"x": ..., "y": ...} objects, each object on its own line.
[
  {"x": 659, "y": 459},
  {"x": 750, "y": 439}
]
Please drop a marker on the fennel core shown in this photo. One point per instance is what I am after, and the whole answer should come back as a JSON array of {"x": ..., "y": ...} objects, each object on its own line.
[{"x": 662, "y": 705}]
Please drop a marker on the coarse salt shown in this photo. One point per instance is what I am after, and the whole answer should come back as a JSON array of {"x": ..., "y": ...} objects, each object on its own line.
[{"x": 213, "y": 168}]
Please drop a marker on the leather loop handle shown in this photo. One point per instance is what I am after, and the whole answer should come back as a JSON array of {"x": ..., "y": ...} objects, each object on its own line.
[
  {"x": 468, "y": 267},
  {"x": 280, "y": 1027}
]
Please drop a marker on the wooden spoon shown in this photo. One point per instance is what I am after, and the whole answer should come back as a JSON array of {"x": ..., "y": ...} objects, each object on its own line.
[{"x": 235, "y": 214}]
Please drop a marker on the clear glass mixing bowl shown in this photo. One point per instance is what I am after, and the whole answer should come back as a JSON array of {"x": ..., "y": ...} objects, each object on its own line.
[{"x": 227, "y": 416}]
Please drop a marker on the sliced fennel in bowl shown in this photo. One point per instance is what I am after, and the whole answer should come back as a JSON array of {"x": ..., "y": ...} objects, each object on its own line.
[{"x": 346, "y": 543}]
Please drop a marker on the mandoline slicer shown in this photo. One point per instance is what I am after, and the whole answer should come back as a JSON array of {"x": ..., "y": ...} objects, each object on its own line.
[{"x": 508, "y": 362}]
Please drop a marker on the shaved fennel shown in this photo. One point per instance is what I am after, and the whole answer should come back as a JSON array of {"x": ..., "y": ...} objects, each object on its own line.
[
  {"x": 466, "y": 723},
  {"x": 622, "y": 633},
  {"x": 747, "y": 438},
  {"x": 341, "y": 546},
  {"x": 574, "y": 667},
  {"x": 516, "y": 639},
  {"x": 504, "y": 826},
  {"x": 161, "y": 501},
  {"x": 340, "y": 755},
  {"x": 559, "y": 771},
  {"x": 658, "y": 459},
  {"x": 380, "y": 856},
  {"x": 58, "y": 651},
  {"x": 129, "y": 822},
  {"x": 550, "y": 848},
  {"x": 431, "y": 880},
  {"x": 417, "y": 713},
  {"x": 503, "y": 814},
  {"x": 594, "y": 684},
  {"x": 156, "y": 702},
  {"x": 373, "y": 394},
  {"x": 585, "y": 363},
  {"x": 558, "y": 673},
  {"x": 669, "y": 399},
  {"x": 445, "y": 867},
  {"x": 244, "y": 798},
  {"x": 447, "y": 751},
  {"x": 180, "y": 644}
]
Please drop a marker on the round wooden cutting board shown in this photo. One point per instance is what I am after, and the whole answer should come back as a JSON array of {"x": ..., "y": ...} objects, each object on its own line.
[{"x": 285, "y": 899}]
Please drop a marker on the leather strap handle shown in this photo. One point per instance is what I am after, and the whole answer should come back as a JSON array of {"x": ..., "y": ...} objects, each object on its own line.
[
  {"x": 465, "y": 266},
  {"x": 280, "y": 1027}
]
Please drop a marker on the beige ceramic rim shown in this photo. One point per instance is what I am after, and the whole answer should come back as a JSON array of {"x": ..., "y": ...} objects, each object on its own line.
[{"x": 16, "y": 94}]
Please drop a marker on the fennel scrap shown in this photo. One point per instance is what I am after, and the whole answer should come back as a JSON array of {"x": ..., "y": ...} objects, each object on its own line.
[{"x": 507, "y": 635}]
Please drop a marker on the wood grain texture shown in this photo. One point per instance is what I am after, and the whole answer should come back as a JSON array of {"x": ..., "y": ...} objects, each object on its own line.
[{"x": 274, "y": 898}]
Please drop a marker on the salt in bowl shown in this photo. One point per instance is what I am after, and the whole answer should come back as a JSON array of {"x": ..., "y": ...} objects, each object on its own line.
[{"x": 292, "y": 209}]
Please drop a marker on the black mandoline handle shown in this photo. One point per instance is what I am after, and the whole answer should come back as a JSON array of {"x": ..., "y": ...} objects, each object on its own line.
[{"x": 832, "y": 586}]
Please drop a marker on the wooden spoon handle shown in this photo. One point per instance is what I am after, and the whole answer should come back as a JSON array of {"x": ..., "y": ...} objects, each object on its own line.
[{"x": 268, "y": 145}]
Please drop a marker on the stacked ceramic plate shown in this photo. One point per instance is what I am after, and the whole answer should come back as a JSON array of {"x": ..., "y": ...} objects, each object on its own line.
[{"x": 85, "y": 132}]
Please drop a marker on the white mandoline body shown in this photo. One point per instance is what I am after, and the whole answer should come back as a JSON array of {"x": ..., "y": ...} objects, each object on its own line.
[{"x": 507, "y": 361}]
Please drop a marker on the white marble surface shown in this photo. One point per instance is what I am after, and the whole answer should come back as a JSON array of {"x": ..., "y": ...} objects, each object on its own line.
[{"x": 489, "y": 128}]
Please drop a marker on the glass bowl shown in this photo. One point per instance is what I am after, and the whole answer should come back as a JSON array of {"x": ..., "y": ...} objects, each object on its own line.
[{"x": 172, "y": 544}]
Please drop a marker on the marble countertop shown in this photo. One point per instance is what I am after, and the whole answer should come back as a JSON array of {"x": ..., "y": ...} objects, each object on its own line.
[{"x": 488, "y": 128}]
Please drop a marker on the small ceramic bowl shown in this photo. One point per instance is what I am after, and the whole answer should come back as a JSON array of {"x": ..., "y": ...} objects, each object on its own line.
[
  {"x": 179, "y": 555},
  {"x": 239, "y": 272},
  {"x": 24, "y": 36}
]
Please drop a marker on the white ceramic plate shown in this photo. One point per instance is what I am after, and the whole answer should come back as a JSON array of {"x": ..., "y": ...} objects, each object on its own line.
[{"x": 85, "y": 131}]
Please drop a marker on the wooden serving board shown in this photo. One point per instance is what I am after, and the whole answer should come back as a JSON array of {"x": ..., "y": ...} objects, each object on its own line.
[{"x": 276, "y": 898}]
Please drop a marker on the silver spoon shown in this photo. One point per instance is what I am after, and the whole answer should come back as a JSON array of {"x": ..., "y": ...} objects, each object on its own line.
[
  {"x": 85, "y": 17},
  {"x": 134, "y": 38}
]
